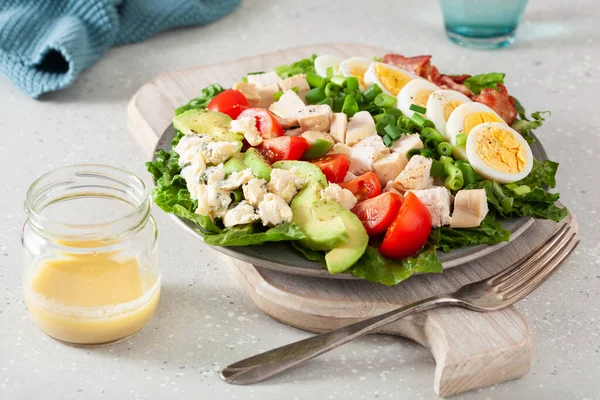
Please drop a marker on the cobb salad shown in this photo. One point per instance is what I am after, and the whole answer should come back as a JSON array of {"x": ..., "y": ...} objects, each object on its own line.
[{"x": 367, "y": 166}]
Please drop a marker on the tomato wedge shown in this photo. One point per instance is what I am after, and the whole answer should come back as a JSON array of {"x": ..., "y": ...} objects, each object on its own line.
[
  {"x": 284, "y": 148},
  {"x": 377, "y": 214},
  {"x": 266, "y": 123},
  {"x": 364, "y": 186},
  {"x": 409, "y": 231},
  {"x": 230, "y": 102},
  {"x": 334, "y": 166}
]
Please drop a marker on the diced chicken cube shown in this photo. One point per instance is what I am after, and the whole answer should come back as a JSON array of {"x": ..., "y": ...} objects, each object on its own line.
[
  {"x": 389, "y": 167},
  {"x": 389, "y": 187},
  {"x": 360, "y": 126},
  {"x": 340, "y": 148},
  {"x": 243, "y": 213},
  {"x": 298, "y": 81},
  {"x": 336, "y": 193},
  {"x": 250, "y": 91},
  {"x": 470, "y": 208},
  {"x": 273, "y": 210},
  {"x": 254, "y": 191},
  {"x": 266, "y": 95},
  {"x": 285, "y": 183},
  {"x": 315, "y": 118},
  {"x": 247, "y": 127},
  {"x": 339, "y": 125},
  {"x": 235, "y": 180},
  {"x": 286, "y": 109},
  {"x": 365, "y": 153},
  {"x": 312, "y": 136},
  {"x": 437, "y": 201},
  {"x": 349, "y": 176},
  {"x": 416, "y": 174},
  {"x": 406, "y": 143},
  {"x": 265, "y": 79},
  {"x": 293, "y": 132}
]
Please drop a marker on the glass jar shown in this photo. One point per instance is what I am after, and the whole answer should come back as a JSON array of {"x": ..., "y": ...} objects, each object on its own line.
[{"x": 91, "y": 273}]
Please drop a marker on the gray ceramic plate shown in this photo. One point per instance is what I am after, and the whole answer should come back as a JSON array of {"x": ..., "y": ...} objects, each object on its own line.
[{"x": 282, "y": 257}]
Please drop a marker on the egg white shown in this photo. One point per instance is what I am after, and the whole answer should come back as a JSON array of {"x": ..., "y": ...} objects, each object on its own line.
[
  {"x": 456, "y": 122},
  {"x": 436, "y": 105},
  {"x": 406, "y": 96},
  {"x": 487, "y": 171},
  {"x": 325, "y": 61},
  {"x": 347, "y": 65},
  {"x": 371, "y": 77}
]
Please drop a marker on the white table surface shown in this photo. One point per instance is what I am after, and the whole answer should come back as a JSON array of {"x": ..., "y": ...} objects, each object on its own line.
[{"x": 205, "y": 320}]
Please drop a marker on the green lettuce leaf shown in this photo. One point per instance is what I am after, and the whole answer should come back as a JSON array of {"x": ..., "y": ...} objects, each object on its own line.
[
  {"x": 374, "y": 267},
  {"x": 542, "y": 174},
  {"x": 202, "y": 100},
  {"x": 478, "y": 82},
  {"x": 247, "y": 236},
  {"x": 525, "y": 126},
  {"x": 489, "y": 232},
  {"x": 312, "y": 255},
  {"x": 202, "y": 221}
]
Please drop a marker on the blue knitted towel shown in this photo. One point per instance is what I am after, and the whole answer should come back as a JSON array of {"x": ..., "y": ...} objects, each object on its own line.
[{"x": 45, "y": 44}]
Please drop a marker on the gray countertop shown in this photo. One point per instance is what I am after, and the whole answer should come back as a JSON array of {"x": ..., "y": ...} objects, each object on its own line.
[{"x": 205, "y": 320}]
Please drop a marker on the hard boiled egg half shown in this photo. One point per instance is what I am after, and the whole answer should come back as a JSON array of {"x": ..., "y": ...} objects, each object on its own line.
[
  {"x": 416, "y": 92},
  {"x": 498, "y": 152},
  {"x": 389, "y": 78},
  {"x": 440, "y": 106},
  {"x": 463, "y": 119},
  {"x": 356, "y": 67},
  {"x": 326, "y": 61}
]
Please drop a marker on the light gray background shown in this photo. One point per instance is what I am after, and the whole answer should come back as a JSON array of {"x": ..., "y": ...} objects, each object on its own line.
[{"x": 204, "y": 320}]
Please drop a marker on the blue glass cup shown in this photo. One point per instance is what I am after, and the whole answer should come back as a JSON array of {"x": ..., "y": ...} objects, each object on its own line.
[{"x": 482, "y": 24}]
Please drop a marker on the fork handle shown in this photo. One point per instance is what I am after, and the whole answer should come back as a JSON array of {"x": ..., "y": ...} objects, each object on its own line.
[{"x": 270, "y": 363}]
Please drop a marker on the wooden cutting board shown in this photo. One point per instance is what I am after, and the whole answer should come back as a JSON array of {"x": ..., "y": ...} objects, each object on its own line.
[{"x": 471, "y": 350}]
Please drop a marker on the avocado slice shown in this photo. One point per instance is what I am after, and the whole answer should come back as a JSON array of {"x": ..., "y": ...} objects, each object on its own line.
[
  {"x": 257, "y": 163},
  {"x": 310, "y": 172},
  {"x": 345, "y": 255},
  {"x": 234, "y": 164},
  {"x": 319, "y": 144},
  {"x": 206, "y": 122},
  {"x": 324, "y": 230}
]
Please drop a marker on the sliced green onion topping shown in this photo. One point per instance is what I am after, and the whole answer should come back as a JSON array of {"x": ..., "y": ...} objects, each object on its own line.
[
  {"x": 326, "y": 100},
  {"x": 444, "y": 149},
  {"x": 418, "y": 109},
  {"x": 383, "y": 123},
  {"x": 313, "y": 96},
  {"x": 387, "y": 141},
  {"x": 314, "y": 80},
  {"x": 392, "y": 131},
  {"x": 329, "y": 72},
  {"x": 384, "y": 100},
  {"x": 350, "y": 106},
  {"x": 277, "y": 95},
  {"x": 437, "y": 169},
  {"x": 351, "y": 82},
  {"x": 371, "y": 93},
  {"x": 338, "y": 80},
  {"x": 446, "y": 160},
  {"x": 461, "y": 139},
  {"x": 331, "y": 89}
]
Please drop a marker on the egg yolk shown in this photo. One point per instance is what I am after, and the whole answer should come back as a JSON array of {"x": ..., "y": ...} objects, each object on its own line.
[
  {"x": 392, "y": 80},
  {"x": 477, "y": 118},
  {"x": 450, "y": 106},
  {"x": 359, "y": 73},
  {"x": 421, "y": 97},
  {"x": 500, "y": 150}
]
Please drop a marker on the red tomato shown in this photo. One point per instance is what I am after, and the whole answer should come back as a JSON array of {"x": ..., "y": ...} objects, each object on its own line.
[
  {"x": 409, "y": 231},
  {"x": 364, "y": 186},
  {"x": 334, "y": 166},
  {"x": 377, "y": 213},
  {"x": 284, "y": 148},
  {"x": 266, "y": 123},
  {"x": 230, "y": 102}
]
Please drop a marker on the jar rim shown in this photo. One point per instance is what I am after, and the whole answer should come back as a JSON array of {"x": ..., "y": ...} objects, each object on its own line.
[{"x": 32, "y": 205}]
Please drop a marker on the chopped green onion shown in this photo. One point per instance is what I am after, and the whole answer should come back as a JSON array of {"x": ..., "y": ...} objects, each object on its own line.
[
  {"x": 350, "y": 106},
  {"x": 314, "y": 80},
  {"x": 277, "y": 95},
  {"x": 378, "y": 117},
  {"x": 418, "y": 109},
  {"x": 446, "y": 160},
  {"x": 454, "y": 180},
  {"x": 282, "y": 69},
  {"x": 461, "y": 139},
  {"x": 437, "y": 169},
  {"x": 329, "y": 73},
  {"x": 295, "y": 89},
  {"x": 387, "y": 141},
  {"x": 383, "y": 123},
  {"x": 431, "y": 144},
  {"x": 444, "y": 149},
  {"x": 469, "y": 176},
  {"x": 413, "y": 152},
  {"x": 384, "y": 100},
  {"x": 521, "y": 190},
  {"x": 245, "y": 79},
  {"x": 512, "y": 186},
  {"x": 422, "y": 152},
  {"x": 313, "y": 96},
  {"x": 237, "y": 196},
  {"x": 331, "y": 89},
  {"x": 338, "y": 80},
  {"x": 338, "y": 102},
  {"x": 406, "y": 124},
  {"x": 296, "y": 71},
  {"x": 392, "y": 131},
  {"x": 351, "y": 82},
  {"x": 372, "y": 92},
  {"x": 256, "y": 73},
  {"x": 393, "y": 111},
  {"x": 326, "y": 100}
]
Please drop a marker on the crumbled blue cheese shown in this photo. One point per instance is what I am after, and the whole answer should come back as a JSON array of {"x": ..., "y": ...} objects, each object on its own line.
[
  {"x": 336, "y": 193},
  {"x": 254, "y": 191},
  {"x": 218, "y": 152},
  {"x": 243, "y": 213},
  {"x": 235, "y": 180},
  {"x": 247, "y": 127},
  {"x": 273, "y": 210},
  {"x": 212, "y": 175},
  {"x": 285, "y": 183},
  {"x": 188, "y": 147}
]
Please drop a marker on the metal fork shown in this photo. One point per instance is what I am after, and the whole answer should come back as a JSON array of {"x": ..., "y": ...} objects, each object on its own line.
[{"x": 494, "y": 293}]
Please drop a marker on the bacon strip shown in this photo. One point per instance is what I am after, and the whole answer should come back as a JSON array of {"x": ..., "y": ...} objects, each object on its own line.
[
  {"x": 418, "y": 65},
  {"x": 499, "y": 101},
  {"x": 449, "y": 83}
]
